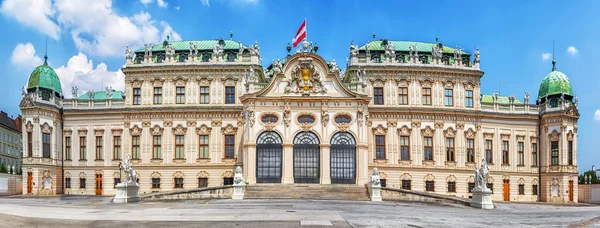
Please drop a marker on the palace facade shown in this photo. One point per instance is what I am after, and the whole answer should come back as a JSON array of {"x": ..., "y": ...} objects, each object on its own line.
[{"x": 192, "y": 111}]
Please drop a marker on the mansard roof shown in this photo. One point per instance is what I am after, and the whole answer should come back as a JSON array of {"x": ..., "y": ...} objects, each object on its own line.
[
  {"x": 184, "y": 45},
  {"x": 101, "y": 95},
  {"x": 424, "y": 47},
  {"x": 486, "y": 98}
]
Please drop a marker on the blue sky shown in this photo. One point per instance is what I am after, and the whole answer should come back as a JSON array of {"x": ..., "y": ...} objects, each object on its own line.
[{"x": 87, "y": 38}]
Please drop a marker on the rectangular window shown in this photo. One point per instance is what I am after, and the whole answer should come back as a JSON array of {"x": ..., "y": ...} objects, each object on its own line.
[
  {"x": 489, "y": 155},
  {"x": 228, "y": 181},
  {"x": 448, "y": 96},
  {"x": 469, "y": 98},
  {"x": 570, "y": 151},
  {"x": 29, "y": 145},
  {"x": 403, "y": 96},
  {"x": 379, "y": 147},
  {"x": 451, "y": 186},
  {"x": 135, "y": 147},
  {"x": 554, "y": 151},
  {"x": 81, "y": 182},
  {"x": 428, "y": 148},
  {"x": 203, "y": 146},
  {"x": 378, "y": 96},
  {"x": 229, "y": 146},
  {"x": 534, "y": 189},
  {"x": 68, "y": 182},
  {"x": 117, "y": 147},
  {"x": 430, "y": 186},
  {"x": 178, "y": 182},
  {"x": 470, "y": 150},
  {"x": 406, "y": 184},
  {"x": 82, "y": 152},
  {"x": 158, "y": 95},
  {"x": 98, "y": 147},
  {"x": 383, "y": 182},
  {"x": 179, "y": 147},
  {"x": 505, "y": 152},
  {"x": 229, "y": 95},
  {"x": 521, "y": 189},
  {"x": 521, "y": 153},
  {"x": 202, "y": 182},
  {"x": 116, "y": 181},
  {"x": 470, "y": 187},
  {"x": 156, "y": 182},
  {"x": 204, "y": 95},
  {"x": 156, "y": 147},
  {"x": 137, "y": 96},
  {"x": 46, "y": 145},
  {"x": 67, "y": 148},
  {"x": 450, "y": 149},
  {"x": 426, "y": 96},
  {"x": 534, "y": 154},
  {"x": 404, "y": 147},
  {"x": 180, "y": 95}
]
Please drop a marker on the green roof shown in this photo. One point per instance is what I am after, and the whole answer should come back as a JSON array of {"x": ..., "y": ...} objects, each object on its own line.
[
  {"x": 44, "y": 77},
  {"x": 375, "y": 45},
  {"x": 101, "y": 95},
  {"x": 184, "y": 45},
  {"x": 486, "y": 98},
  {"x": 555, "y": 83}
]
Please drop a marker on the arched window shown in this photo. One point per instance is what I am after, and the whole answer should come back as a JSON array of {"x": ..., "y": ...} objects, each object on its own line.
[
  {"x": 400, "y": 58},
  {"x": 268, "y": 157},
  {"x": 343, "y": 158},
  {"x": 160, "y": 58},
  {"x": 206, "y": 57},
  {"x": 306, "y": 137},
  {"x": 306, "y": 119},
  {"x": 269, "y": 137},
  {"x": 231, "y": 57},
  {"x": 182, "y": 57},
  {"x": 269, "y": 118},
  {"x": 343, "y": 119},
  {"x": 375, "y": 58}
]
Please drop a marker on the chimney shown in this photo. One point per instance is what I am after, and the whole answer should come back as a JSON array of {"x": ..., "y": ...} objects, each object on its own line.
[{"x": 19, "y": 123}]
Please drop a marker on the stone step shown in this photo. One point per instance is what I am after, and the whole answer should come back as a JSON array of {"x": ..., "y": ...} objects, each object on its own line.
[{"x": 304, "y": 191}]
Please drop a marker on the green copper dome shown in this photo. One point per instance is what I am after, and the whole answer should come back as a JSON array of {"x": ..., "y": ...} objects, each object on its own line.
[
  {"x": 555, "y": 83},
  {"x": 44, "y": 77}
]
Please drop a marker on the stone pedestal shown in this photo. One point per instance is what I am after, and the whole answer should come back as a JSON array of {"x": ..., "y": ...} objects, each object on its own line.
[
  {"x": 482, "y": 199},
  {"x": 375, "y": 192},
  {"x": 238, "y": 191},
  {"x": 127, "y": 193}
]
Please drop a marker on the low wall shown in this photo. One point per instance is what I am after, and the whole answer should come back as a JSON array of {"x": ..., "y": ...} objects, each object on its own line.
[
  {"x": 217, "y": 192},
  {"x": 588, "y": 193},
  {"x": 11, "y": 184},
  {"x": 388, "y": 193}
]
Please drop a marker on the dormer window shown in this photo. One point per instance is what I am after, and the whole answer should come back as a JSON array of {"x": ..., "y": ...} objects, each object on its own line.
[
  {"x": 231, "y": 57},
  {"x": 375, "y": 58},
  {"x": 206, "y": 57},
  {"x": 182, "y": 57}
]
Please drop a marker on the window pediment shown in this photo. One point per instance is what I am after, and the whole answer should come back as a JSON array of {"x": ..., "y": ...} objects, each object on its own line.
[
  {"x": 380, "y": 130},
  {"x": 428, "y": 131}
]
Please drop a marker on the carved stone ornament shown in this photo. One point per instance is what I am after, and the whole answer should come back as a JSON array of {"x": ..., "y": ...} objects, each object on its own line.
[
  {"x": 450, "y": 133},
  {"x": 520, "y": 138},
  {"x": 135, "y": 130},
  {"x": 67, "y": 132},
  {"x": 377, "y": 82},
  {"x": 427, "y": 131},
  {"x": 305, "y": 78},
  {"x": 82, "y": 132},
  {"x": 324, "y": 116},
  {"x": 136, "y": 83},
  {"x": 216, "y": 123},
  {"x": 203, "y": 130},
  {"x": 402, "y": 82},
  {"x": 99, "y": 132},
  {"x": 488, "y": 136},
  {"x": 269, "y": 126},
  {"x": 554, "y": 136},
  {"x": 342, "y": 127},
  {"x": 570, "y": 136},
  {"x": 228, "y": 174},
  {"x": 204, "y": 81},
  {"x": 439, "y": 125},
  {"x": 460, "y": 126},
  {"x": 449, "y": 84},
  {"x": 36, "y": 119},
  {"x": 179, "y": 130},
  {"x": 155, "y": 175},
  {"x": 380, "y": 130},
  {"x": 156, "y": 130},
  {"x": 146, "y": 124},
  {"x": 202, "y": 174},
  {"x": 157, "y": 82},
  {"x": 251, "y": 119},
  {"x": 533, "y": 139},
  {"x": 572, "y": 111},
  {"x": 29, "y": 126},
  {"x": 429, "y": 177},
  {"x": 180, "y": 81},
  {"x": 117, "y": 132},
  {"x": 229, "y": 129},
  {"x": 392, "y": 123},
  {"x": 505, "y": 136},
  {"x": 469, "y": 85},
  {"x": 406, "y": 176},
  {"x": 404, "y": 131},
  {"x": 168, "y": 123},
  {"x": 415, "y": 124},
  {"x": 478, "y": 127},
  {"x": 426, "y": 83},
  {"x": 470, "y": 133},
  {"x": 46, "y": 128},
  {"x": 178, "y": 174},
  {"x": 191, "y": 123},
  {"x": 305, "y": 126}
]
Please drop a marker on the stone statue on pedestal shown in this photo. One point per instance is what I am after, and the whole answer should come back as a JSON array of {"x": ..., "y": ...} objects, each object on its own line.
[
  {"x": 238, "y": 184},
  {"x": 128, "y": 191},
  {"x": 130, "y": 174},
  {"x": 375, "y": 185},
  {"x": 482, "y": 196}
]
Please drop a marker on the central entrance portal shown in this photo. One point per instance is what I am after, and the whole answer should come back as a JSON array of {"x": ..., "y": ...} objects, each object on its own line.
[
  {"x": 268, "y": 158},
  {"x": 307, "y": 158},
  {"x": 343, "y": 158}
]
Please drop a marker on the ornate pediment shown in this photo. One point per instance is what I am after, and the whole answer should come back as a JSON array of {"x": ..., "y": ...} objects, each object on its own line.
[
  {"x": 448, "y": 84},
  {"x": 469, "y": 85},
  {"x": 554, "y": 136},
  {"x": 570, "y": 136},
  {"x": 403, "y": 82},
  {"x": 82, "y": 132},
  {"x": 505, "y": 136},
  {"x": 29, "y": 126},
  {"x": 46, "y": 128},
  {"x": 156, "y": 130},
  {"x": 67, "y": 132},
  {"x": 520, "y": 138},
  {"x": 179, "y": 130},
  {"x": 426, "y": 83},
  {"x": 392, "y": 123},
  {"x": 470, "y": 133},
  {"x": 572, "y": 111},
  {"x": 146, "y": 123},
  {"x": 450, "y": 133},
  {"x": 404, "y": 131},
  {"x": 99, "y": 132},
  {"x": 135, "y": 130},
  {"x": 229, "y": 129},
  {"x": 117, "y": 132},
  {"x": 488, "y": 136},
  {"x": 427, "y": 131},
  {"x": 342, "y": 126},
  {"x": 305, "y": 78},
  {"x": 216, "y": 123},
  {"x": 203, "y": 130},
  {"x": 27, "y": 102},
  {"x": 415, "y": 124},
  {"x": 269, "y": 120},
  {"x": 157, "y": 82},
  {"x": 439, "y": 125},
  {"x": 379, "y": 130}
]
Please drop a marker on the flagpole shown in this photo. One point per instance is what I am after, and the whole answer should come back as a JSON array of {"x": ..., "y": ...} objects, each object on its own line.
[{"x": 305, "y": 29}]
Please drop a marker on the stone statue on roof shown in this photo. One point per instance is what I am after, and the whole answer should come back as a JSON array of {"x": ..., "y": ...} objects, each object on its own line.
[
  {"x": 277, "y": 67},
  {"x": 91, "y": 94},
  {"x": 367, "y": 49},
  {"x": 218, "y": 51},
  {"x": 23, "y": 91},
  {"x": 191, "y": 47},
  {"x": 109, "y": 92},
  {"x": 347, "y": 62},
  {"x": 460, "y": 53},
  {"x": 416, "y": 50},
  {"x": 128, "y": 52},
  {"x": 476, "y": 55},
  {"x": 254, "y": 49},
  {"x": 240, "y": 49},
  {"x": 526, "y": 98},
  {"x": 455, "y": 54},
  {"x": 74, "y": 91},
  {"x": 353, "y": 50},
  {"x": 410, "y": 50},
  {"x": 333, "y": 66},
  {"x": 390, "y": 52}
]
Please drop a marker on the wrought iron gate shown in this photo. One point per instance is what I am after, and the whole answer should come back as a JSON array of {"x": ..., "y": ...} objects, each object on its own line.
[
  {"x": 343, "y": 158},
  {"x": 307, "y": 158},
  {"x": 268, "y": 158}
]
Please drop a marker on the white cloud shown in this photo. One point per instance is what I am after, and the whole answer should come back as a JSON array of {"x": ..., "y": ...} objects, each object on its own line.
[
  {"x": 33, "y": 13},
  {"x": 161, "y": 3},
  {"x": 597, "y": 115},
  {"x": 80, "y": 72},
  {"x": 546, "y": 56},
  {"x": 97, "y": 30},
  {"x": 205, "y": 2},
  {"x": 572, "y": 50},
  {"x": 168, "y": 31},
  {"x": 24, "y": 56},
  {"x": 177, "y": 7},
  {"x": 145, "y": 2}
]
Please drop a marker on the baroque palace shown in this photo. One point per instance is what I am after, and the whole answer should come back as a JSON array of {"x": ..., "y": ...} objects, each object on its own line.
[{"x": 192, "y": 111}]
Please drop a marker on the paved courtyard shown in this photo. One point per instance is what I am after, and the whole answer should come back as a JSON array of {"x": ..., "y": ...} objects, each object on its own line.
[{"x": 87, "y": 211}]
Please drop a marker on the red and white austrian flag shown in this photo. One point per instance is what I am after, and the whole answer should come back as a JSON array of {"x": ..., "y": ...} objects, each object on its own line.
[{"x": 300, "y": 34}]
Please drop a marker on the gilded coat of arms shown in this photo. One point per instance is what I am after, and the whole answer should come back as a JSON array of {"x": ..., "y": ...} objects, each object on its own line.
[{"x": 305, "y": 79}]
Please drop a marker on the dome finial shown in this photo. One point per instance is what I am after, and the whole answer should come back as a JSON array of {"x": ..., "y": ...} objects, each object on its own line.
[
  {"x": 553, "y": 60},
  {"x": 46, "y": 53}
]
